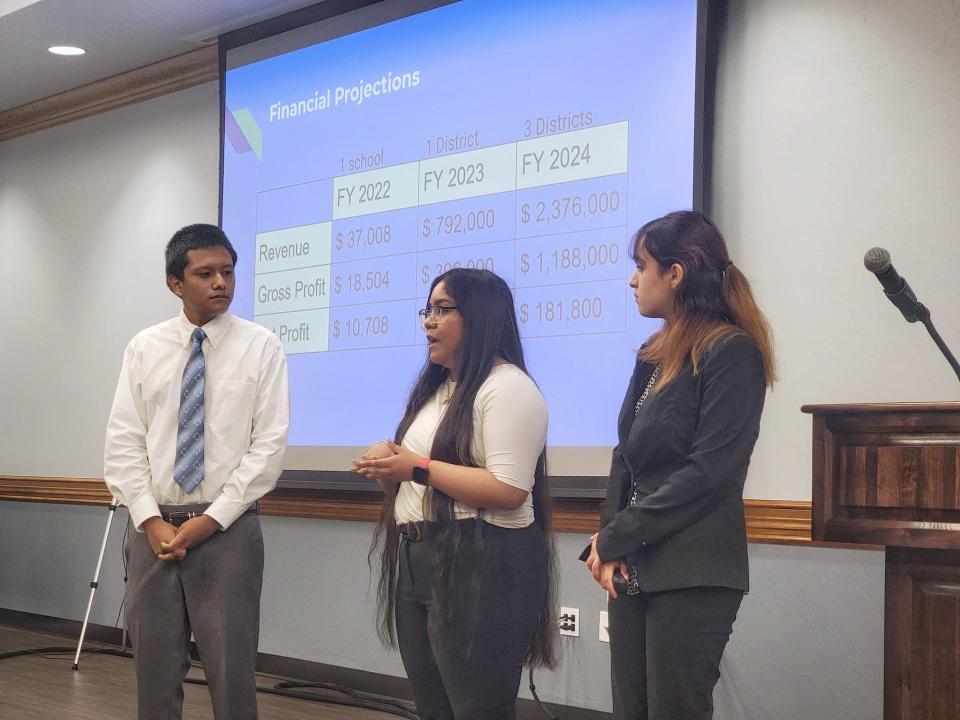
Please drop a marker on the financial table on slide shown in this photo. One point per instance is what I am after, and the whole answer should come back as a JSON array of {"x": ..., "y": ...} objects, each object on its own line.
[{"x": 344, "y": 263}]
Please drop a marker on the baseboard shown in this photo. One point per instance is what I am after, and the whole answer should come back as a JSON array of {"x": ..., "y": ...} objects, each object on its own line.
[
  {"x": 69, "y": 629},
  {"x": 389, "y": 685}
]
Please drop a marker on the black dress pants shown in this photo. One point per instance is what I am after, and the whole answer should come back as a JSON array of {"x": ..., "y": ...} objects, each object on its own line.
[
  {"x": 665, "y": 651},
  {"x": 475, "y": 673}
]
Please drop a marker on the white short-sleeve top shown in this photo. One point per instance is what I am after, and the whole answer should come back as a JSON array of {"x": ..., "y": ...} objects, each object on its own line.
[{"x": 509, "y": 432}]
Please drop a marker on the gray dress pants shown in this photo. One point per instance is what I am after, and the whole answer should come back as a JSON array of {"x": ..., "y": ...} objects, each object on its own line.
[{"x": 214, "y": 593}]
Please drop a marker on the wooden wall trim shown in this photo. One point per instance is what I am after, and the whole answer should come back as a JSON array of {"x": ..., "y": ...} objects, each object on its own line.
[
  {"x": 898, "y": 408},
  {"x": 150, "y": 81},
  {"x": 778, "y": 521},
  {"x": 768, "y": 521},
  {"x": 61, "y": 490}
]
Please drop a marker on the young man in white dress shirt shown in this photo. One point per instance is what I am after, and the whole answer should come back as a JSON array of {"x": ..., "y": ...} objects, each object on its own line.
[{"x": 196, "y": 436}]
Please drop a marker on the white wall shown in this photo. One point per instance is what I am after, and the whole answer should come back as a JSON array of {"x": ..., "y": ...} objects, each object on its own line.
[
  {"x": 838, "y": 129},
  {"x": 85, "y": 212}
]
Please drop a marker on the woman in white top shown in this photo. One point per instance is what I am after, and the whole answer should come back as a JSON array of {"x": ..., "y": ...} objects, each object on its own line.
[{"x": 467, "y": 565}]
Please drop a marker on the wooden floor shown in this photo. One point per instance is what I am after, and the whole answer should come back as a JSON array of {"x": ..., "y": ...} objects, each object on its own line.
[{"x": 36, "y": 687}]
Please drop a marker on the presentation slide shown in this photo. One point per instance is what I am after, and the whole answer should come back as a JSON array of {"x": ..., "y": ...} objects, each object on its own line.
[{"x": 526, "y": 138}]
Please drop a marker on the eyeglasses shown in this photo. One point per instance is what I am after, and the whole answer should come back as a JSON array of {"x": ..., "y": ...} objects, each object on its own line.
[{"x": 435, "y": 312}]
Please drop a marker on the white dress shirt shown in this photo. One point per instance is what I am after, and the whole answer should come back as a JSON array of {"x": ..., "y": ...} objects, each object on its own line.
[
  {"x": 246, "y": 406},
  {"x": 509, "y": 431}
]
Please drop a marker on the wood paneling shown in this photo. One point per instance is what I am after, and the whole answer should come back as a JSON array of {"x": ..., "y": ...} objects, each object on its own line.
[
  {"x": 770, "y": 521},
  {"x": 899, "y": 476},
  {"x": 922, "y": 635},
  {"x": 150, "y": 81},
  {"x": 887, "y": 474}
]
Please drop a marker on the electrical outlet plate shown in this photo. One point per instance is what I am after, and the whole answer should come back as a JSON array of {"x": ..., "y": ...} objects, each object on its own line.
[
  {"x": 569, "y": 622},
  {"x": 604, "y": 627}
]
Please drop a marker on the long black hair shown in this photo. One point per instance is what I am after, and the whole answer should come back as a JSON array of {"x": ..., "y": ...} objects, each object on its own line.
[{"x": 490, "y": 332}]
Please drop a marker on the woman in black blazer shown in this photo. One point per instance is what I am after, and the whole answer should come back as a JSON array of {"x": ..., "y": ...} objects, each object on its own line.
[{"x": 672, "y": 548}]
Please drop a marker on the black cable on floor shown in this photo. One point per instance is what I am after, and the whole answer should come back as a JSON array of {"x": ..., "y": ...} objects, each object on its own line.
[
  {"x": 57, "y": 650},
  {"x": 286, "y": 688},
  {"x": 354, "y": 698},
  {"x": 533, "y": 691},
  {"x": 123, "y": 557},
  {"x": 403, "y": 708}
]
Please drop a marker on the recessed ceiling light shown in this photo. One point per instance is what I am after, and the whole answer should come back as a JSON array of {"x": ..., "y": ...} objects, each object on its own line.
[{"x": 66, "y": 50}]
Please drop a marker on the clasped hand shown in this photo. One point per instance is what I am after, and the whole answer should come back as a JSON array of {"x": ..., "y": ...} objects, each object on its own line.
[
  {"x": 170, "y": 543},
  {"x": 387, "y": 462},
  {"x": 603, "y": 571}
]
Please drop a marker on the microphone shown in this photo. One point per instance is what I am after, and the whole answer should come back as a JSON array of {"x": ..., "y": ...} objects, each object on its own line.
[{"x": 877, "y": 261}]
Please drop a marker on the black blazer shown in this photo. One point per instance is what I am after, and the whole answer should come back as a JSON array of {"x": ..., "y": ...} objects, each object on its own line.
[{"x": 688, "y": 450}]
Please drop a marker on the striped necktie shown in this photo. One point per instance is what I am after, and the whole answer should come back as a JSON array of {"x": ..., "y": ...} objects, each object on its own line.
[{"x": 188, "y": 470}]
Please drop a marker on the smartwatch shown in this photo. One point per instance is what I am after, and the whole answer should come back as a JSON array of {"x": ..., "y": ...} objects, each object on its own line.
[{"x": 420, "y": 471}]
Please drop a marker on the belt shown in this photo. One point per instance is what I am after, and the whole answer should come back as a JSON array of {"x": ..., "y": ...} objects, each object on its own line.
[
  {"x": 177, "y": 515},
  {"x": 419, "y": 531},
  {"x": 416, "y": 531}
]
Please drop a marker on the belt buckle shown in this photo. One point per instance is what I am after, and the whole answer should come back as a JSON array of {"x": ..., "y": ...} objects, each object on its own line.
[
  {"x": 178, "y": 518},
  {"x": 412, "y": 532}
]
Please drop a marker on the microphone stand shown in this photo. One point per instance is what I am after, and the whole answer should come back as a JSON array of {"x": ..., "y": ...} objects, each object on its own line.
[
  {"x": 911, "y": 308},
  {"x": 923, "y": 315}
]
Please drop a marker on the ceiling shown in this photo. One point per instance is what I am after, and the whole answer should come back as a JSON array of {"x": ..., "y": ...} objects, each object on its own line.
[{"x": 118, "y": 35}]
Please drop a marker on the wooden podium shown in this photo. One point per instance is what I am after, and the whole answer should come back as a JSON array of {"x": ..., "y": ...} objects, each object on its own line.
[{"x": 889, "y": 474}]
